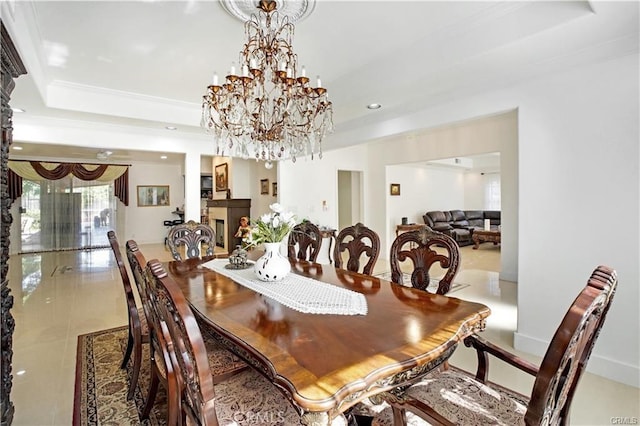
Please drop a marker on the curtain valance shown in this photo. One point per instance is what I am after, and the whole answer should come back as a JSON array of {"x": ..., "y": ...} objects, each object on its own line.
[{"x": 38, "y": 170}]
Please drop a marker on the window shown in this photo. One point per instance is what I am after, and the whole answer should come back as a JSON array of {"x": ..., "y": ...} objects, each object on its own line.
[{"x": 492, "y": 191}]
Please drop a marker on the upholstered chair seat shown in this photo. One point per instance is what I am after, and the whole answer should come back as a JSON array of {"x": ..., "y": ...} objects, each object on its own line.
[
  {"x": 222, "y": 363},
  {"x": 461, "y": 399},
  {"x": 251, "y": 394}
]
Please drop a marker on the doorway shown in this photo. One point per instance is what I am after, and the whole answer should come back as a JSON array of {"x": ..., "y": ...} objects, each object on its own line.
[
  {"x": 350, "y": 199},
  {"x": 66, "y": 214}
]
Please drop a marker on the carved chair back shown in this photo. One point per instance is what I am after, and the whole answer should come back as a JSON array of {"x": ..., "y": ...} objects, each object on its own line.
[
  {"x": 186, "y": 348},
  {"x": 424, "y": 248},
  {"x": 138, "y": 327},
  {"x": 194, "y": 236},
  {"x": 135, "y": 256},
  {"x": 304, "y": 242},
  {"x": 126, "y": 282},
  {"x": 357, "y": 240},
  {"x": 569, "y": 350},
  {"x": 161, "y": 369}
]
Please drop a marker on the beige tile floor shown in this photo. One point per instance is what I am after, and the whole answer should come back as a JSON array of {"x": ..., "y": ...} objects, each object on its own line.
[{"x": 61, "y": 295}]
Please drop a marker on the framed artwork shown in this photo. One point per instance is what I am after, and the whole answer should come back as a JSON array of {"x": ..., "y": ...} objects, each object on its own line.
[
  {"x": 222, "y": 177},
  {"x": 264, "y": 186},
  {"x": 274, "y": 187},
  {"x": 395, "y": 189},
  {"x": 153, "y": 195}
]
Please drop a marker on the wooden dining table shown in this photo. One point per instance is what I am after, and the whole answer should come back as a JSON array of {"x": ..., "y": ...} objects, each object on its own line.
[{"x": 325, "y": 363}]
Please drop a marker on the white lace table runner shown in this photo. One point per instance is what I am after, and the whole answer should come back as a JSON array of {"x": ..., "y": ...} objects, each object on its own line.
[{"x": 297, "y": 292}]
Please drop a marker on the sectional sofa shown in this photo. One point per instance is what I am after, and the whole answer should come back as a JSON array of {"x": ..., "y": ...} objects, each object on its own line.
[{"x": 460, "y": 224}]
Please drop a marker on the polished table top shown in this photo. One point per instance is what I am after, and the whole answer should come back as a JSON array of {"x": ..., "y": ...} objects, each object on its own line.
[{"x": 326, "y": 363}]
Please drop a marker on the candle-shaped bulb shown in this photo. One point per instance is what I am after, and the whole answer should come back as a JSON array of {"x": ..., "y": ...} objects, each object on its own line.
[
  {"x": 289, "y": 73},
  {"x": 233, "y": 68},
  {"x": 252, "y": 64},
  {"x": 318, "y": 82},
  {"x": 283, "y": 66},
  {"x": 215, "y": 78},
  {"x": 303, "y": 72},
  {"x": 245, "y": 70}
]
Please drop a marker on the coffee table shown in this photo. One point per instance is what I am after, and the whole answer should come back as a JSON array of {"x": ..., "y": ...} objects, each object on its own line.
[{"x": 481, "y": 236}]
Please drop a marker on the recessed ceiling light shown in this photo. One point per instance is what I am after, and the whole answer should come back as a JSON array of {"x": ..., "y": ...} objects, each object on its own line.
[
  {"x": 17, "y": 148},
  {"x": 17, "y": 110},
  {"x": 163, "y": 157},
  {"x": 171, "y": 128},
  {"x": 374, "y": 106}
]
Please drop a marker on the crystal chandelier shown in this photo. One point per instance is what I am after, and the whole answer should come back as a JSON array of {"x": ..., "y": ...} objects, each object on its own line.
[{"x": 266, "y": 108}]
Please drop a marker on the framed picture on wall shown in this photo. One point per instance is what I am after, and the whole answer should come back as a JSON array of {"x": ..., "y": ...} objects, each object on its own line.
[
  {"x": 395, "y": 189},
  {"x": 222, "y": 177},
  {"x": 153, "y": 195},
  {"x": 275, "y": 189},
  {"x": 264, "y": 186}
]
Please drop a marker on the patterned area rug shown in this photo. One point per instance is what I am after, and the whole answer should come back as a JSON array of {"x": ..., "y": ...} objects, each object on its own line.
[
  {"x": 100, "y": 396},
  {"x": 433, "y": 283}
]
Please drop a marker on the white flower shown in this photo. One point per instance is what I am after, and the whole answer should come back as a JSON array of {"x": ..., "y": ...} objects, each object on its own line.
[
  {"x": 272, "y": 227},
  {"x": 276, "y": 208},
  {"x": 287, "y": 217}
]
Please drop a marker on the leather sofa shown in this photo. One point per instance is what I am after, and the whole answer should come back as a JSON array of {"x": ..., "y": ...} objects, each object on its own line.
[{"x": 460, "y": 224}]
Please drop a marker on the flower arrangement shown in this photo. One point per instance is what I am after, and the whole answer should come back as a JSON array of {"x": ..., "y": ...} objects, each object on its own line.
[{"x": 272, "y": 227}]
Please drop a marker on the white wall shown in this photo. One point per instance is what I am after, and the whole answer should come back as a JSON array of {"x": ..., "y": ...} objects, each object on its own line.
[
  {"x": 421, "y": 190},
  {"x": 305, "y": 184},
  {"x": 577, "y": 159},
  {"x": 473, "y": 191},
  {"x": 145, "y": 224},
  {"x": 260, "y": 202}
]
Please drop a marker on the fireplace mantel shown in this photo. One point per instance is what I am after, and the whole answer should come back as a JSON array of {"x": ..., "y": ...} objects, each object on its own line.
[
  {"x": 232, "y": 203},
  {"x": 230, "y": 211}
]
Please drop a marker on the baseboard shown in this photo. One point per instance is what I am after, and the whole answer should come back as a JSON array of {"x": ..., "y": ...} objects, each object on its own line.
[{"x": 602, "y": 366}]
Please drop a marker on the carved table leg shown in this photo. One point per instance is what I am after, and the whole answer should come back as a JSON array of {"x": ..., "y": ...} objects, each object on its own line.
[{"x": 476, "y": 242}]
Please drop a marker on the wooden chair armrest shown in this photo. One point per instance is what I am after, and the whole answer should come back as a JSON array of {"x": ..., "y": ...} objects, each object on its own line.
[{"x": 484, "y": 347}]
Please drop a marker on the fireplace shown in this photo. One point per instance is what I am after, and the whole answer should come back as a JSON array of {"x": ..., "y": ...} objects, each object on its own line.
[
  {"x": 224, "y": 218},
  {"x": 220, "y": 233}
]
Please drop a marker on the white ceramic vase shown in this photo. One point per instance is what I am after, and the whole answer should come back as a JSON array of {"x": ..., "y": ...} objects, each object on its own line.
[{"x": 272, "y": 266}]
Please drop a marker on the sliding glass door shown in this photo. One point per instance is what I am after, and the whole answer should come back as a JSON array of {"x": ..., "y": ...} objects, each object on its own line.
[{"x": 66, "y": 214}]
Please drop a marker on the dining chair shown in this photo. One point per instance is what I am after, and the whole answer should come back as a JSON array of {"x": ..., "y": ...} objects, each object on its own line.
[
  {"x": 138, "y": 326},
  {"x": 222, "y": 363},
  {"x": 194, "y": 236},
  {"x": 456, "y": 397},
  {"x": 304, "y": 242},
  {"x": 161, "y": 369},
  {"x": 357, "y": 240},
  {"x": 424, "y": 248},
  {"x": 202, "y": 400}
]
